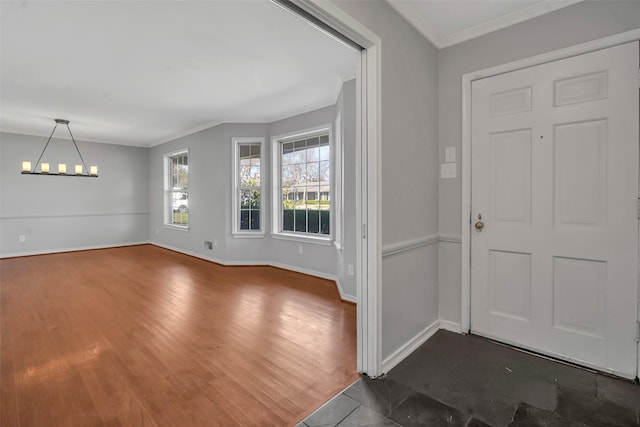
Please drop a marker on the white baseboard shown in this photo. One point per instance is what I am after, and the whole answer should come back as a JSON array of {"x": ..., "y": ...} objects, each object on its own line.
[
  {"x": 412, "y": 345},
  {"x": 302, "y": 270},
  {"x": 409, "y": 347},
  {"x": 190, "y": 253},
  {"x": 79, "y": 248},
  {"x": 343, "y": 296},
  {"x": 450, "y": 326}
]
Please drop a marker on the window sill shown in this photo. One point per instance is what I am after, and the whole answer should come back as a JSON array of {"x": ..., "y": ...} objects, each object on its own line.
[
  {"x": 324, "y": 241},
  {"x": 177, "y": 227},
  {"x": 248, "y": 235}
]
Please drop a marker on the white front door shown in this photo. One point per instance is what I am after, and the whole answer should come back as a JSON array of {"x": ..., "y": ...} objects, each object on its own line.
[{"x": 554, "y": 188}]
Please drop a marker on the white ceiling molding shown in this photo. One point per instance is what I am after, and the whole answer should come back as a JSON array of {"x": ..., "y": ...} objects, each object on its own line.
[
  {"x": 446, "y": 23},
  {"x": 339, "y": 83},
  {"x": 411, "y": 11},
  {"x": 187, "y": 132},
  {"x": 136, "y": 81},
  {"x": 505, "y": 21}
]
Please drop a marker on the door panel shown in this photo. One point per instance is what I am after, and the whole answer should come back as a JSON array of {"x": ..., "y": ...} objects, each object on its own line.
[
  {"x": 579, "y": 186},
  {"x": 510, "y": 280},
  {"x": 579, "y": 296},
  {"x": 587, "y": 88},
  {"x": 511, "y": 176},
  {"x": 554, "y": 185},
  {"x": 510, "y": 102}
]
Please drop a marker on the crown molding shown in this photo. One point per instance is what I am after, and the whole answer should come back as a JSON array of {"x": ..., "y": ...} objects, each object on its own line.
[
  {"x": 504, "y": 21},
  {"x": 186, "y": 133},
  {"x": 412, "y": 14}
]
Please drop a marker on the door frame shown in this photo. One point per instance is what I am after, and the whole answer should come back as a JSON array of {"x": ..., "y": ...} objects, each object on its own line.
[
  {"x": 467, "y": 80},
  {"x": 368, "y": 183}
]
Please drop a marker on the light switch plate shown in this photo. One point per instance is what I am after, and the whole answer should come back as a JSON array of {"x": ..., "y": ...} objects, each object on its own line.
[
  {"x": 450, "y": 155},
  {"x": 448, "y": 170}
]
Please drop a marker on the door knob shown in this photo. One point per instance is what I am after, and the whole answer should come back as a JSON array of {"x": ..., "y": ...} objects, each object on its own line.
[{"x": 479, "y": 225}]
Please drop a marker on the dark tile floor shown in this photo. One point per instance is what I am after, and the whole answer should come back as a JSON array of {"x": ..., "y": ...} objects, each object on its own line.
[{"x": 465, "y": 380}]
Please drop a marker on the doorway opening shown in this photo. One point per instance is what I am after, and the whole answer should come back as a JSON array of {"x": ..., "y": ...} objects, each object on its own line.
[{"x": 337, "y": 23}]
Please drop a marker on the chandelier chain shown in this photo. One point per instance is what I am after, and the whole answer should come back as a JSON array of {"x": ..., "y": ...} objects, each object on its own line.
[
  {"x": 76, "y": 145},
  {"x": 46, "y": 145}
]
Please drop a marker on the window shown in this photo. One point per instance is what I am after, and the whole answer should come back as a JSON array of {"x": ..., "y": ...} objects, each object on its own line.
[
  {"x": 247, "y": 192},
  {"x": 177, "y": 189},
  {"x": 303, "y": 189}
]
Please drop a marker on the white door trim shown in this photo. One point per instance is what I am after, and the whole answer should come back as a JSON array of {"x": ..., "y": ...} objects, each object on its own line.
[
  {"x": 467, "y": 79},
  {"x": 368, "y": 185}
]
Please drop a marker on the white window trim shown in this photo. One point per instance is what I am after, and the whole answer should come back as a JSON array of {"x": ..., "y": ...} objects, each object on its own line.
[
  {"x": 276, "y": 205},
  {"x": 167, "y": 202},
  {"x": 337, "y": 177},
  {"x": 303, "y": 238},
  {"x": 235, "y": 210}
]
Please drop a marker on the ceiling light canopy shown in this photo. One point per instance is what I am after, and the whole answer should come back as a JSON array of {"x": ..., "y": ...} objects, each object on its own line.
[{"x": 79, "y": 169}]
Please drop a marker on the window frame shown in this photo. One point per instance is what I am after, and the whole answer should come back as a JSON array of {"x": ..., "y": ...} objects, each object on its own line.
[
  {"x": 276, "y": 205},
  {"x": 337, "y": 178},
  {"x": 168, "y": 206},
  {"x": 235, "y": 200}
]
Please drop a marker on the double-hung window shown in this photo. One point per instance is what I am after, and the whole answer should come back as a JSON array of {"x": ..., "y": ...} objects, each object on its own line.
[
  {"x": 177, "y": 189},
  {"x": 248, "y": 191},
  {"x": 302, "y": 205}
]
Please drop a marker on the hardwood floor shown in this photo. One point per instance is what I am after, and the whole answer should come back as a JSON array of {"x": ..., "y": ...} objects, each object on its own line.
[{"x": 142, "y": 336}]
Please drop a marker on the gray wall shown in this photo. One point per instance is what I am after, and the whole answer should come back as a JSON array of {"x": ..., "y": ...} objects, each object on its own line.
[
  {"x": 316, "y": 257},
  {"x": 125, "y": 204},
  {"x": 209, "y": 163},
  {"x": 409, "y": 171},
  {"x": 573, "y": 25},
  {"x": 210, "y": 186},
  {"x": 63, "y": 213}
]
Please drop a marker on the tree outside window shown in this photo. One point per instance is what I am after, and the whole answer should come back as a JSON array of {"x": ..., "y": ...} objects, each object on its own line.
[
  {"x": 306, "y": 185},
  {"x": 178, "y": 191},
  {"x": 249, "y": 188}
]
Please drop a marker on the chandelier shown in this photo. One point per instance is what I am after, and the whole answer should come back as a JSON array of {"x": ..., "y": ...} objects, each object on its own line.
[{"x": 79, "y": 170}]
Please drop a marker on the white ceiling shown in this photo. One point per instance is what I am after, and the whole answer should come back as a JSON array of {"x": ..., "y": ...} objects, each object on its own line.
[
  {"x": 145, "y": 72},
  {"x": 142, "y": 73},
  {"x": 447, "y": 22}
]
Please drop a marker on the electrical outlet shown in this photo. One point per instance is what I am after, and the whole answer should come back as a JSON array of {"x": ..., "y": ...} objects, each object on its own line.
[
  {"x": 22, "y": 238},
  {"x": 300, "y": 250},
  {"x": 215, "y": 242},
  {"x": 350, "y": 269}
]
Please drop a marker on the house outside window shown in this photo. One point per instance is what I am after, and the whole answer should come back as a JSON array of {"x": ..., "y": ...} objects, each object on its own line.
[
  {"x": 177, "y": 189},
  {"x": 302, "y": 190},
  {"x": 248, "y": 191}
]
